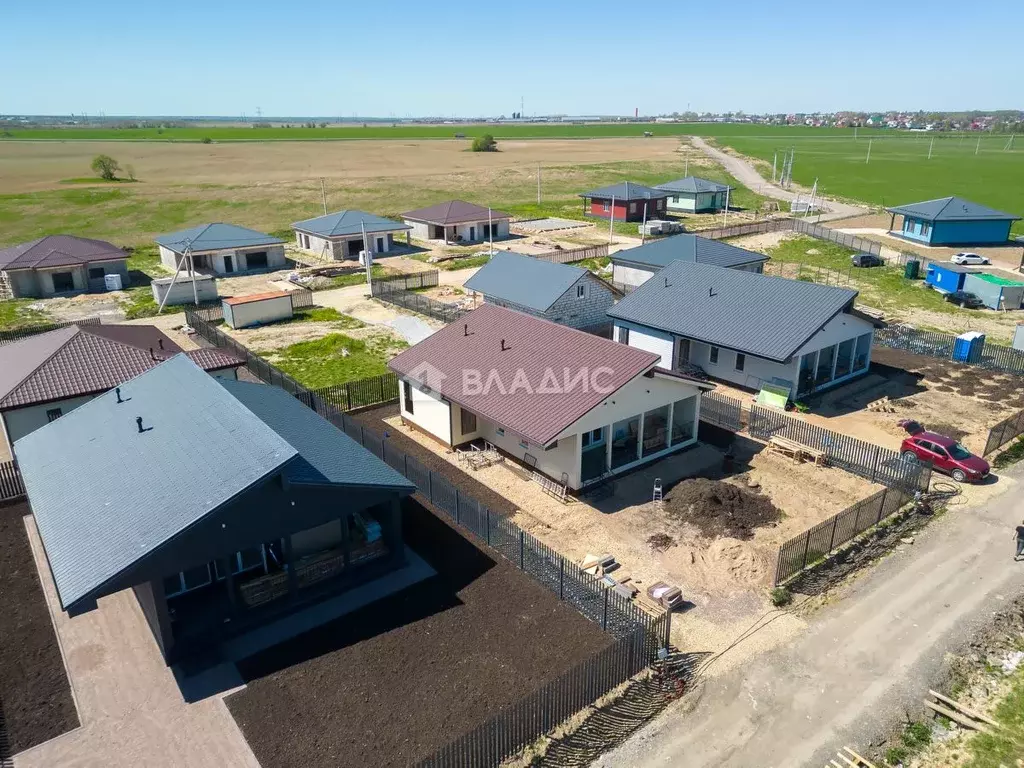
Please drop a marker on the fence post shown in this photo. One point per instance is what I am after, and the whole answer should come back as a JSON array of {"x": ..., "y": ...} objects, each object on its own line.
[
  {"x": 874, "y": 465},
  {"x": 487, "y": 515},
  {"x": 522, "y": 550},
  {"x": 807, "y": 545},
  {"x": 430, "y": 485},
  {"x": 668, "y": 628},
  {"x": 881, "y": 506},
  {"x": 832, "y": 540},
  {"x": 561, "y": 578},
  {"x": 348, "y": 396},
  {"x": 604, "y": 616},
  {"x": 456, "y": 506}
]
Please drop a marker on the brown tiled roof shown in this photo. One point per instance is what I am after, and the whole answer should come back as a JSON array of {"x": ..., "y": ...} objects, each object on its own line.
[
  {"x": 58, "y": 250},
  {"x": 236, "y": 300},
  {"x": 83, "y": 360},
  {"x": 453, "y": 212},
  {"x": 533, "y": 346}
]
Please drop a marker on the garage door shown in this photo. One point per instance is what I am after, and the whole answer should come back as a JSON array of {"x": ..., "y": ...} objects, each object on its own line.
[{"x": 256, "y": 260}]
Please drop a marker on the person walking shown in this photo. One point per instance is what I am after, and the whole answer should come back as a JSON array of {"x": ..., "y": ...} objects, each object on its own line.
[{"x": 1019, "y": 535}]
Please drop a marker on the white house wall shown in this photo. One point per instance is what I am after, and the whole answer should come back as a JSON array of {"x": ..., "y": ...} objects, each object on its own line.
[
  {"x": 260, "y": 312},
  {"x": 630, "y": 275},
  {"x": 756, "y": 370},
  {"x": 647, "y": 339},
  {"x": 22, "y": 421},
  {"x": 429, "y": 412},
  {"x": 215, "y": 259},
  {"x": 839, "y": 328},
  {"x": 562, "y": 459}
]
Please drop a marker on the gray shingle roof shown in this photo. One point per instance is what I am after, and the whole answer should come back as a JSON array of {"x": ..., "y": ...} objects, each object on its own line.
[
  {"x": 348, "y": 223},
  {"x": 661, "y": 253},
  {"x": 453, "y": 212},
  {"x": 105, "y": 495},
  {"x": 214, "y": 237},
  {"x": 524, "y": 280},
  {"x": 57, "y": 251},
  {"x": 626, "y": 190},
  {"x": 326, "y": 454},
  {"x": 770, "y": 317},
  {"x": 951, "y": 209},
  {"x": 693, "y": 185}
]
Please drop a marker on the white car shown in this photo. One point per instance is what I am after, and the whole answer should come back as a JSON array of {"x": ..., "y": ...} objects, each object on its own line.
[{"x": 969, "y": 258}]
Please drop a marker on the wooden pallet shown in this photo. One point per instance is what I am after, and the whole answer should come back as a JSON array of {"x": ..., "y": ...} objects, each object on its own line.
[
  {"x": 960, "y": 714},
  {"x": 797, "y": 451},
  {"x": 847, "y": 758}
]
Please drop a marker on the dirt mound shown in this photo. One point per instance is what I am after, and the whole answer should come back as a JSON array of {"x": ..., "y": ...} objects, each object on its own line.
[{"x": 720, "y": 509}]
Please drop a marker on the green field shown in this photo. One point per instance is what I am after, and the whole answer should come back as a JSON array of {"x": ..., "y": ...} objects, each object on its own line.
[
  {"x": 899, "y": 170},
  {"x": 405, "y": 131}
]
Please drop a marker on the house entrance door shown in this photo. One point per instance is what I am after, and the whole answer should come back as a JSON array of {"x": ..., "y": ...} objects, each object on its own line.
[
  {"x": 682, "y": 353},
  {"x": 229, "y": 264}
]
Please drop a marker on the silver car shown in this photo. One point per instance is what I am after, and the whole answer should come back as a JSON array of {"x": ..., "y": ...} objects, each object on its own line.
[{"x": 965, "y": 257}]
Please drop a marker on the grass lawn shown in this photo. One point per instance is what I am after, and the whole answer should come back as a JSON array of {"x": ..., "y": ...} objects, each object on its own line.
[
  {"x": 16, "y": 313},
  {"x": 324, "y": 362},
  {"x": 324, "y": 315},
  {"x": 96, "y": 180},
  {"x": 1010, "y": 455},
  {"x": 146, "y": 259},
  {"x": 450, "y": 265},
  {"x": 139, "y": 303},
  {"x": 1005, "y": 746},
  {"x": 594, "y": 265},
  {"x": 899, "y": 170}
]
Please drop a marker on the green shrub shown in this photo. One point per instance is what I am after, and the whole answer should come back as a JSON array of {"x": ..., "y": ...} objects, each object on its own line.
[
  {"x": 485, "y": 143},
  {"x": 1013, "y": 454},
  {"x": 781, "y": 597},
  {"x": 895, "y": 755},
  {"x": 917, "y": 735},
  {"x": 105, "y": 167},
  {"x": 207, "y": 140}
]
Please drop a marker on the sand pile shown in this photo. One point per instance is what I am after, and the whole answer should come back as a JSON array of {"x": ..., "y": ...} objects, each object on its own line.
[{"x": 720, "y": 509}]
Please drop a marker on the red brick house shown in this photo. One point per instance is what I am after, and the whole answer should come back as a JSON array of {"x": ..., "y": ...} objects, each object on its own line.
[{"x": 625, "y": 201}]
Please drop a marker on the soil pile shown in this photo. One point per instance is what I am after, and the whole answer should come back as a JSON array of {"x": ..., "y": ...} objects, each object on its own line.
[{"x": 720, "y": 509}]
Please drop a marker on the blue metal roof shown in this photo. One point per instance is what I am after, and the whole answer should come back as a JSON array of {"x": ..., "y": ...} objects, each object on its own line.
[
  {"x": 691, "y": 248},
  {"x": 770, "y": 317},
  {"x": 626, "y": 190},
  {"x": 692, "y": 185},
  {"x": 952, "y": 209},
  {"x": 348, "y": 223},
  {"x": 214, "y": 237},
  {"x": 524, "y": 280}
]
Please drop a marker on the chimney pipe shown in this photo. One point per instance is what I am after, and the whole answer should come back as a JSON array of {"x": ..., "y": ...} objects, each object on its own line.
[
  {"x": 138, "y": 423},
  {"x": 465, "y": 329},
  {"x": 117, "y": 391},
  {"x": 503, "y": 347},
  {"x": 151, "y": 355},
  {"x": 160, "y": 342}
]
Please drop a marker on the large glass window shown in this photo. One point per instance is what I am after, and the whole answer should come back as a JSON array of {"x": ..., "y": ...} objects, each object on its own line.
[
  {"x": 682, "y": 419},
  {"x": 860, "y": 356},
  {"x": 826, "y": 357},
  {"x": 625, "y": 436},
  {"x": 844, "y": 358},
  {"x": 655, "y": 430},
  {"x": 805, "y": 384}
]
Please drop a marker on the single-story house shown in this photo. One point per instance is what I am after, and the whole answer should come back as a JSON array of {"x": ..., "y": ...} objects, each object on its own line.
[
  {"x": 625, "y": 201},
  {"x": 994, "y": 291},
  {"x": 257, "y": 309},
  {"x": 560, "y": 293},
  {"x": 46, "y": 376},
  {"x": 339, "y": 235},
  {"x": 952, "y": 221},
  {"x": 633, "y": 266},
  {"x": 457, "y": 221},
  {"x": 567, "y": 404},
  {"x": 695, "y": 195},
  {"x": 60, "y": 264},
  {"x": 746, "y": 328},
  {"x": 946, "y": 277},
  {"x": 223, "y": 249},
  {"x": 219, "y": 503}
]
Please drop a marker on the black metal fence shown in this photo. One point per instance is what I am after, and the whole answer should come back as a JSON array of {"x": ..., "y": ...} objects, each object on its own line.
[
  {"x": 722, "y": 411},
  {"x": 1004, "y": 432},
  {"x": 409, "y": 281},
  {"x": 393, "y": 291},
  {"x": 6, "y": 337},
  {"x": 870, "y": 461},
  {"x": 796, "y": 270},
  {"x": 11, "y": 485},
  {"x": 575, "y": 254},
  {"x": 753, "y": 228},
  {"x": 363, "y": 393},
  {"x": 941, "y": 345},
  {"x": 817, "y": 542},
  {"x": 853, "y": 242}
]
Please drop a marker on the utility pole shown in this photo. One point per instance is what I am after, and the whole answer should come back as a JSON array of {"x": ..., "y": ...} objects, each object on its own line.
[
  {"x": 611, "y": 223},
  {"x": 855, "y": 133},
  {"x": 323, "y": 194},
  {"x": 930, "y": 145},
  {"x": 368, "y": 259},
  {"x": 186, "y": 259},
  {"x": 868, "y": 158},
  {"x": 725, "y": 212},
  {"x": 775, "y": 162},
  {"x": 490, "y": 233},
  {"x": 643, "y": 227},
  {"x": 538, "y": 183},
  {"x": 977, "y": 146}
]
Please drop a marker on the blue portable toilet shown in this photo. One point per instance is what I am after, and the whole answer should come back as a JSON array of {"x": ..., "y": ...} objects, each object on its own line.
[
  {"x": 968, "y": 346},
  {"x": 946, "y": 278}
]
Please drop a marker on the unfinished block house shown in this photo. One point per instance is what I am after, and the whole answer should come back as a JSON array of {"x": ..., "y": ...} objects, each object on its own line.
[
  {"x": 340, "y": 236},
  {"x": 457, "y": 221},
  {"x": 60, "y": 264},
  {"x": 222, "y": 249}
]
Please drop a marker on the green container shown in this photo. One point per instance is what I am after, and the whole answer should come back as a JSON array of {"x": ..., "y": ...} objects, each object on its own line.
[{"x": 912, "y": 270}]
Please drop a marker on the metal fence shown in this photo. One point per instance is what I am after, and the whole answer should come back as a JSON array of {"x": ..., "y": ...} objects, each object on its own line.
[
  {"x": 941, "y": 345},
  {"x": 395, "y": 293},
  {"x": 353, "y": 395},
  {"x": 11, "y": 485},
  {"x": 6, "y": 337},
  {"x": 409, "y": 281},
  {"x": 1004, "y": 432},
  {"x": 576, "y": 254},
  {"x": 815, "y": 543},
  {"x": 811, "y": 272},
  {"x": 722, "y": 411},
  {"x": 870, "y": 461},
  {"x": 754, "y": 228},
  {"x": 853, "y": 242}
]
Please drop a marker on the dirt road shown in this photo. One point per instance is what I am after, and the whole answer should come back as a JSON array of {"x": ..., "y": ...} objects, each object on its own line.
[
  {"x": 864, "y": 658},
  {"x": 750, "y": 178}
]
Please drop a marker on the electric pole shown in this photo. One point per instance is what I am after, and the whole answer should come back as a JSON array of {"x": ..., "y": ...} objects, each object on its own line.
[{"x": 323, "y": 194}]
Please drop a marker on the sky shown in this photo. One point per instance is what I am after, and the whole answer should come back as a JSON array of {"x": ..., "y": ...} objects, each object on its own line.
[{"x": 407, "y": 58}]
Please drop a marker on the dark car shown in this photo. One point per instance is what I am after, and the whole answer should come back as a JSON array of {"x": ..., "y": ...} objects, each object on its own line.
[
  {"x": 866, "y": 260},
  {"x": 965, "y": 299},
  {"x": 946, "y": 455}
]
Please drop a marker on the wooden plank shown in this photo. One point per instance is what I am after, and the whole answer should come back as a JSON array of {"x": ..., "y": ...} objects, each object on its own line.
[
  {"x": 864, "y": 760},
  {"x": 847, "y": 760},
  {"x": 966, "y": 710},
  {"x": 957, "y": 717}
]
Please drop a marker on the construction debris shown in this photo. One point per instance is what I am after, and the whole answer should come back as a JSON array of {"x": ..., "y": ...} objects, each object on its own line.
[
  {"x": 881, "y": 405},
  {"x": 720, "y": 509},
  {"x": 960, "y": 714},
  {"x": 850, "y": 759},
  {"x": 667, "y": 596}
]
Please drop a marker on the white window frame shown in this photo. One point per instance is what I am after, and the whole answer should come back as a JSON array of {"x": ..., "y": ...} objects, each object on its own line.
[
  {"x": 581, "y": 291},
  {"x": 713, "y": 355},
  {"x": 623, "y": 335}
]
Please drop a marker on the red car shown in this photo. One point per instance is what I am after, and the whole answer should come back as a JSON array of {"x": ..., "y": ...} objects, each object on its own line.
[{"x": 946, "y": 455}]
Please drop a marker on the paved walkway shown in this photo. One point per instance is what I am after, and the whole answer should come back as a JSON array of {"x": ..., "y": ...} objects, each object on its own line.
[
  {"x": 131, "y": 709},
  {"x": 748, "y": 176},
  {"x": 865, "y": 657}
]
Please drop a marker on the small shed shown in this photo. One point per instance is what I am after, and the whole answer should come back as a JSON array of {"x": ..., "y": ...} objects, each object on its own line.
[
  {"x": 947, "y": 278},
  {"x": 257, "y": 309},
  {"x": 996, "y": 292},
  {"x": 181, "y": 292}
]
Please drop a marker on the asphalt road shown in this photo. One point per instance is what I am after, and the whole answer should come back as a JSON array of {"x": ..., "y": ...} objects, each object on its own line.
[
  {"x": 864, "y": 659},
  {"x": 748, "y": 176}
]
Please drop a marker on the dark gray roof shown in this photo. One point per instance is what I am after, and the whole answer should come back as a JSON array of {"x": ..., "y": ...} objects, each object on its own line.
[
  {"x": 524, "y": 280},
  {"x": 454, "y": 212},
  {"x": 626, "y": 190},
  {"x": 952, "y": 209},
  {"x": 326, "y": 454},
  {"x": 692, "y": 185},
  {"x": 105, "y": 495},
  {"x": 58, "y": 251},
  {"x": 348, "y": 223},
  {"x": 770, "y": 317},
  {"x": 213, "y": 237},
  {"x": 661, "y": 253}
]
